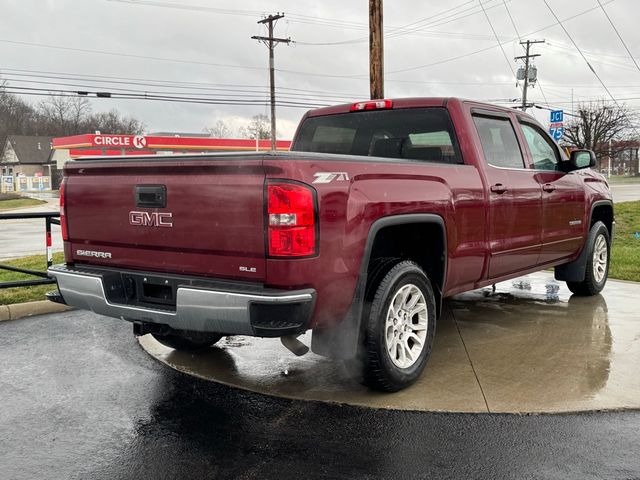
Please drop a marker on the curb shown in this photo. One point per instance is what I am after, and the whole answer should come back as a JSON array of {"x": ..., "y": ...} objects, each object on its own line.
[{"x": 29, "y": 309}]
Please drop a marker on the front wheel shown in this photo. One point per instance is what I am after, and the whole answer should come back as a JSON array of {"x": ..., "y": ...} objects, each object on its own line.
[
  {"x": 598, "y": 256},
  {"x": 400, "y": 329},
  {"x": 188, "y": 342}
]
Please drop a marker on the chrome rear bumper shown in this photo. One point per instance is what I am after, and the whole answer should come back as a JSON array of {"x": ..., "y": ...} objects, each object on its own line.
[{"x": 228, "y": 311}]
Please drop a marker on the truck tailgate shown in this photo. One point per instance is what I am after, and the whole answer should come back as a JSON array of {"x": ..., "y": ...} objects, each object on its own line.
[{"x": 210, "y": 221}]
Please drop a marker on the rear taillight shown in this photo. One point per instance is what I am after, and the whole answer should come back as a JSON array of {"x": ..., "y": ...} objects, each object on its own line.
[
  {"x": 291, "y": 220},
  {"x": 63, "y": 213}
]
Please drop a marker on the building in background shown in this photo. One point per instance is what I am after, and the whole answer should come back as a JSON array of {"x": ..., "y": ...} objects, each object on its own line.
[
  {"x": 26, "y": 163},
  {"x": 624, "y": 159}
]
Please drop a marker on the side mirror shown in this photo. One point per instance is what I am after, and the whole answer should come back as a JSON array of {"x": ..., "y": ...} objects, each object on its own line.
[{"x": 582, "y": 159}]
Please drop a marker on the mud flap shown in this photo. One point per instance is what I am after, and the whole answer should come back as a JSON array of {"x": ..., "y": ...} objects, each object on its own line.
[{"x": 339, "y": 342}]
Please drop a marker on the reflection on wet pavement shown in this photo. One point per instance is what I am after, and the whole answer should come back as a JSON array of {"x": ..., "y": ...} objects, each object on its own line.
[{"x": 528, "y": 346}]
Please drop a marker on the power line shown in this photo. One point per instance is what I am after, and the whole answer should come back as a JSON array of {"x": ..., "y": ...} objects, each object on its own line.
[
  {"x": 154, "y": 82},
  {"x": 594, "y": 57},
  {"x": 453, "y": 17},
  {"x": 619, "y": 36},
  {"x": 127, "y": 55},
  {"x": 468, "y": 54},
  {"x": 418, "y": 27},
  {"x": 135, "y": 96},
  {"x": 313, "y": 74},
  {"x": 300, "y": 18},
  {"x": 435, "y": 34},
  {"x": 497, "y": 39},
  {"x": 590, "y": 67},
  {"x": 580, "y": 51},
  {"x": 107, "y": 79},
  {"x": 163, "y": 59},
  {"x": 511, "y": 18},
  {"x": 223, "y": 11},
  {"x": 243, "y": 94}
]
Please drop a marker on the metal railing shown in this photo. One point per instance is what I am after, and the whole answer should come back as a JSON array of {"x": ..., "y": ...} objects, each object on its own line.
[{"x": 43, "y": 278}]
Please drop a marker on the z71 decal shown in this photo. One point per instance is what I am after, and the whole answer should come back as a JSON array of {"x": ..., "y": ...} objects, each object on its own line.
[{"x": 328, "y": 177}]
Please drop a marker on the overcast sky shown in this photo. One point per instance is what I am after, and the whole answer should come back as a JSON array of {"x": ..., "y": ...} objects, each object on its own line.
[{"x": 202, "y": 49}]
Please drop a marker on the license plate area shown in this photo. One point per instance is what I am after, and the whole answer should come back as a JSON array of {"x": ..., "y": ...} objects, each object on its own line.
[
  {"x": 152, "y": 292},
  {"x": 143, "y": 290}
]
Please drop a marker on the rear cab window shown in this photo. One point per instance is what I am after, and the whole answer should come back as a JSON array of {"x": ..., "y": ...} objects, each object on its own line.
[{"x": 423, "y": 134}]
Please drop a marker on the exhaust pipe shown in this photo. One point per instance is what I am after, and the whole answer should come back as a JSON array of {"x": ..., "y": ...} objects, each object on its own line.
[{"x": 294, "y": 345}]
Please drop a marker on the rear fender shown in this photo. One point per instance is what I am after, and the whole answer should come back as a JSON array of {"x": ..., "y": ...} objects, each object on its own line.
[{"x": 341, "y": 341}]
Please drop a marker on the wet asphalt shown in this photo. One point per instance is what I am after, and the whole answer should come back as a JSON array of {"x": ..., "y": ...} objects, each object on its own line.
[{"x": 80, "y": 399}]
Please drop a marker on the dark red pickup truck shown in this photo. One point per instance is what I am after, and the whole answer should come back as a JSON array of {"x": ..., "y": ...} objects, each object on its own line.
[{"x": 380, "y": 210}]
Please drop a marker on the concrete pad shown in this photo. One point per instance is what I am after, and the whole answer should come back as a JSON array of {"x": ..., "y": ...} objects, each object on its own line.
[
  {"x": 265, "y": 366},
  {"x": 4, "y": 313},
  {"x": 29, "y": 309},
  {"x": 536, "y": 350},
  {"x": 530, "y": 346}
]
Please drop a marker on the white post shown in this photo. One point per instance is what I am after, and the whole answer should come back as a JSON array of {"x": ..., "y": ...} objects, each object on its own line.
[{"x": 609, "y": 171}]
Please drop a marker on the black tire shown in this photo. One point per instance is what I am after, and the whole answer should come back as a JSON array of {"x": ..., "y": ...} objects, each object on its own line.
[
  {"x": 379, "y": 370},
  {"x": 189, "y": 342},
  {"x": 594, "y": 278}
]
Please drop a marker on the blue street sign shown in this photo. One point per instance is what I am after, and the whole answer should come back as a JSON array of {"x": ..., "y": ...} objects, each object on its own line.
[
  {"x": 556, "y": 133},
  {"x": 557, "y": 116}
]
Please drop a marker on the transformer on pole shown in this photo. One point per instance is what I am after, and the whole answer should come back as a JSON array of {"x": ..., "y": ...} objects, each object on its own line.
[{"x": 528, "y": 73}]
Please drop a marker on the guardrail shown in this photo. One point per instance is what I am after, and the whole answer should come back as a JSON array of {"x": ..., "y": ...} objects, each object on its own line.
[{"x": 50, "y": 218}]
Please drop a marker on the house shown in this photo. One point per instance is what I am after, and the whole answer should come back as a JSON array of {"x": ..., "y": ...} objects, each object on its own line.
[{"x": 27, "y": 156}]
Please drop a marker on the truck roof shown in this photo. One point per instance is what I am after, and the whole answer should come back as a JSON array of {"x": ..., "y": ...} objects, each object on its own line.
[{"x": 411, "y": 102}]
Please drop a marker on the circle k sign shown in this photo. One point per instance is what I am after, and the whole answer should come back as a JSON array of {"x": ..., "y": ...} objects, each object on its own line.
[{"x": 139, "y": 141}]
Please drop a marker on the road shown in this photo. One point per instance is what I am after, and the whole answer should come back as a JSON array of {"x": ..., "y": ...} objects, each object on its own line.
[
  {"x": 19, "y": 238},
  {"x": 626, "y": 192},
  {"x": 80, "y": 399}
]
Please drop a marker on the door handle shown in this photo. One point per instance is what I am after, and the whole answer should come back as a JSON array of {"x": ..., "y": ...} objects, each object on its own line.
[
  {"x": 547, "y": 187},
  {"x": 498, "y": 188}
]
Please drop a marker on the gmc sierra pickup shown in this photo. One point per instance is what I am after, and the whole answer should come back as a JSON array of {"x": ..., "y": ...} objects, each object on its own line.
[{"x": 380, "y": 210}]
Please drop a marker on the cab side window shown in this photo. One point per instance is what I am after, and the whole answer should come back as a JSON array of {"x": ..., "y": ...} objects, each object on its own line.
[
  {"x": 543, "y": 151},
  {"x": 499, "y": 142}
]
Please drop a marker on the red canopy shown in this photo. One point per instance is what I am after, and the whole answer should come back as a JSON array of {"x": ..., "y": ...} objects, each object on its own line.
[{"x": 102, "y": 144}]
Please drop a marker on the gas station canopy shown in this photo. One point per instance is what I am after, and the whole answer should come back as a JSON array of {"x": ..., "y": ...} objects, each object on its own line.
[{"x": 102, "y": 144}]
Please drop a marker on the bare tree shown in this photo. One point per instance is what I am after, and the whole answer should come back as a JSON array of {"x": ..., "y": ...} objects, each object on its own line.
[
  {"x": 113, "y": 122},
  {"x": 59, "y": 116},
  {"x": 64, "y": 115},
  {"x": 595, "y": 125},
  {"x": 258, "y": 127},
  {"x": 219, "y": 130},
  {"x": 16, "y": 116}
]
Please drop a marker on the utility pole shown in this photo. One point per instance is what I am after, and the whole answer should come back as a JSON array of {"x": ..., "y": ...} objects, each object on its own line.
[
  {"x": 376, "y": 50},
  {"x": 271, "y": 43},
  {"x": 527, "y": 74}
]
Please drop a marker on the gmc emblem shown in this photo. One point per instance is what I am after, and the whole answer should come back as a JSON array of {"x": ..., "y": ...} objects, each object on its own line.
[{"x": 151, "y": 219}]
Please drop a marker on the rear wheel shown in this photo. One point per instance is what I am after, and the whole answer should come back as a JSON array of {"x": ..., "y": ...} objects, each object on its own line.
[
  {"x": 188, "y": 342},
  {"x": 598, "y": 256},
  {"x": 400, "y": 329}
]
